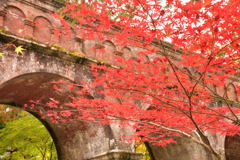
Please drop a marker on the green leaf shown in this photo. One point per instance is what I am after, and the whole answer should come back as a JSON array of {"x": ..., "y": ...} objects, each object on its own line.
[
  {"x": 221, "y": 54},
  {"x": 19, "y": 50},
  {"x": 20, "y": 134}
]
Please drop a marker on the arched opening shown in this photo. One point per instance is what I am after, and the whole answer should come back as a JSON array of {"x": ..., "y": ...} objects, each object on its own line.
[
  {"x": 126, "y": 53},
  {"x": 141, "y": 147},
  {"x": 42, "y": 29},
  {"x": 231, "y": 92},
  {"x": 69, "y": 41},
  {"x": 74, "y": 140},
  {"x": 23, "y": 136},
  {"x": 232, "y": 147},
  {"x": 31, "y": 86},
  {"x": 14, "y": 20},
  {"x": 19, "y": 90},
  {"x": 109, "y": 49}
]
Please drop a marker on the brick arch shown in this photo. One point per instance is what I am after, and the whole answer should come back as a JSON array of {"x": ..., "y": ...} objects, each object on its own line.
[
  {"x": 42, "y": 31},
  {"x": 27, "y": 76},
  {"x": 70, "y": 42},
  {"x": 231, "y": 91},
  {"x": 109, "y": 49},
  {"x": 14, "y": 20},
  {"x": 17, "y": 91},
  {"x": 91, "y": 138},
  {"x": 126, "y": 52},
  {"x": 110, "y": 43}
]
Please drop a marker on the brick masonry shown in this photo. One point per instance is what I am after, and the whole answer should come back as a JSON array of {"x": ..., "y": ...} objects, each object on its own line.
[{"x": 28, "y": 76}]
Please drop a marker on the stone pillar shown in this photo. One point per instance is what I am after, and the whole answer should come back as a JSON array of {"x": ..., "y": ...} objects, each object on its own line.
[
  {"x": 2, "y": 15},
  {"x": 29, "y": 25},
  {"x": 118, "y": 155}
]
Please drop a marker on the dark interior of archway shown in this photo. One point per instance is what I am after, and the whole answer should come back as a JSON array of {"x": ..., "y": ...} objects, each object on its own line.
[
  {"x": 232, "y": 147},
  {"x": 34, "y": 86},
  {"x": 23, "y": 136}
]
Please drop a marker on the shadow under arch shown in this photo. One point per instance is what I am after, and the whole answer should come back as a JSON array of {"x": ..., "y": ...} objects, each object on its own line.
[
  {"x": 19, "y": 90},
  {"x": 75, "y": 140},
  {"x": 232, "y": 147}
]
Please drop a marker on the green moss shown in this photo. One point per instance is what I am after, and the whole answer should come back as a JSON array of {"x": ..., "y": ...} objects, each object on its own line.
[
  {"x": 58, "y": 48},
  {"x": 31, "y": 38},
  {"x": 54, "y": 50},
  {"x": 76, "y": 54},
  {"x": 3, "y": 31},
  {"x": 63, "y": 50}
]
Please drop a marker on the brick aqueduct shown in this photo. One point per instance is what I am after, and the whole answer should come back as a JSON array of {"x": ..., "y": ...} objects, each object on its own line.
[{"x": 28, "y": 76}]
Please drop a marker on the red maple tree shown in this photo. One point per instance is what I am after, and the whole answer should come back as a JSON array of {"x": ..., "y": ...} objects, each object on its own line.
[{"x": 165, "y": 90}]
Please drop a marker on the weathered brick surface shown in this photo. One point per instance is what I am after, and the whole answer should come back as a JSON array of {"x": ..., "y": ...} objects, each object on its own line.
[
  {"x": 28, "y": 76},
  {"x": 33, "y": 20},
  {"x": 118, "y": 155}
]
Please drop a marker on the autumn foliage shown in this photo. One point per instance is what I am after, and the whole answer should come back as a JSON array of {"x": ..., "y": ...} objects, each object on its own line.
[{"x": 189, "y": 85}]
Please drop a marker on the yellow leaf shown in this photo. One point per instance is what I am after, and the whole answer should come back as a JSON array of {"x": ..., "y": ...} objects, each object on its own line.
[
  {"x": 19, "y": 50},
  {"x": 20, "y": 31},
  {"x": 1, "y": 54}
]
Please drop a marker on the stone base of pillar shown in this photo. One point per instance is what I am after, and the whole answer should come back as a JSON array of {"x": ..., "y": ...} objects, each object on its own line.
[{"x": 118, "y": 155}]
